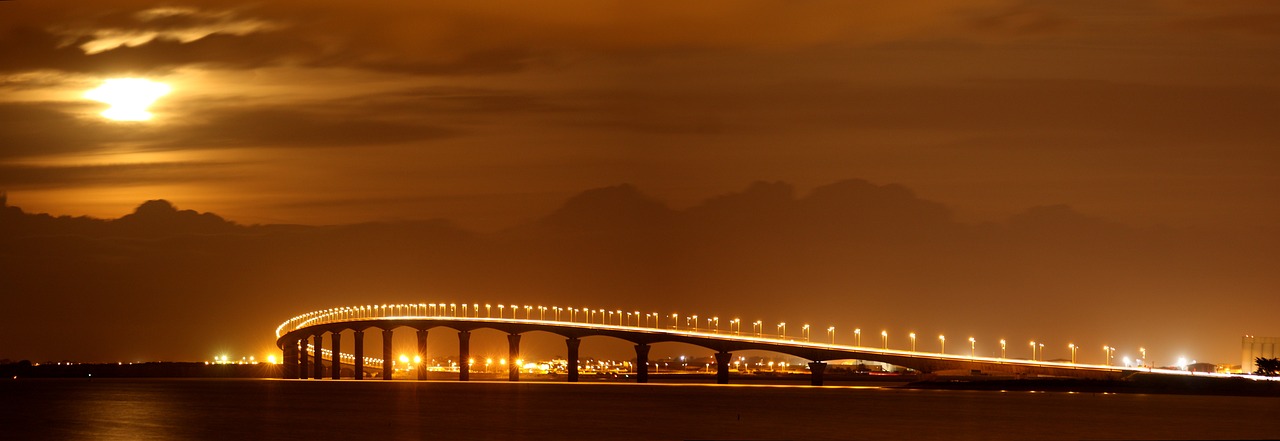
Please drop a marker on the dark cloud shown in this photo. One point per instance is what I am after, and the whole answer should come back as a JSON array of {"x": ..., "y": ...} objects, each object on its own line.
[
  {"x": 295, "y": 127},
  {"x": 22, "y": 177}
]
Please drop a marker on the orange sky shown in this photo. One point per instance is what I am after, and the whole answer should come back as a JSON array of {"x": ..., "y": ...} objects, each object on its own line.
[
  {"x": 320, "y": 112},
  {"x": 492, "y": 114}
]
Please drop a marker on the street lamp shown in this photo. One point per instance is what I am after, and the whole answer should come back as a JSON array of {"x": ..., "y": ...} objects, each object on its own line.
[
  {"x": 805, "y": 331},
  {"x": 884, "y": 336},
  {"x": 782, "y": 330},
  {"x": 1144, "y": 355},
  {"x": 973, "y": 347},
  {"x": 488, "y": 312},
  {"x": 857, "y": 337},
  {"x": 831, "y": 332},
  {"x": 913, "y": 341},
  {"x": 760, "y": 325},
  {"x": 1072, "y": 346},
  {"x": 737, "y": 326},
  {"x": 942, "y": 344},
  {"x": 675, "y": 321},
  {"x": 1033, "y": 350},
  {"x": 1108, "y": 351},
  {"x": 695, "y": 323}
]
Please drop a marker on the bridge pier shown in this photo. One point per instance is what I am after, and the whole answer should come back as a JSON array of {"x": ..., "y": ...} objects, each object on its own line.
[
  {"x": 642, "y": 363},
  {"x": 359, "y": 353},
  {"x": 335, "y": 366},
  {"x": 290, "y": 360},
  {"x": 422, "y": 354},
  {"x": 387, "y": 354},
  {"x": 464, "y": 355},
  {"x": 816, "y": 369},
  {"x": 722, "y": 367},
  {"x": 303, "y": 362},
  {"x": 572, "y": 358},
  {"x": 318, "y": 369},
  {"x": 513, "y": 354}
]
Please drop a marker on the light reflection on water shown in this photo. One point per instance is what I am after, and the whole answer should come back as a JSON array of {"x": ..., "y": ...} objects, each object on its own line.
[{"x": 110, "y": 409}]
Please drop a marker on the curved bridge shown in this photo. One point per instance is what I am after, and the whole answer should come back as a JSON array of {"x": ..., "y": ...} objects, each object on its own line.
[{"x": 300, "y": 336}]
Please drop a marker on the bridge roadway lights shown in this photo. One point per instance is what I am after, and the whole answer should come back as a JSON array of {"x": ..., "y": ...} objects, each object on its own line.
[
  {"x": 318, "y": 370},
  {"x": 387, "y": 362},
  {"x": 335, "y": 366},
  {"x": 422, "y": 354},
  {"x": 722, "y": 367},
  {"x": 816, "y": 369},
  {"x": 572, "y": 358},
  {"x": 642, "y": 363},
  {"x": 464, "y": 355},
  {"x": 513, "y": 354}
]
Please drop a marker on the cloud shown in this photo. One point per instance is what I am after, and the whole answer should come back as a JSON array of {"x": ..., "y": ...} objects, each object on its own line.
[{"x": 19, "y": 177}]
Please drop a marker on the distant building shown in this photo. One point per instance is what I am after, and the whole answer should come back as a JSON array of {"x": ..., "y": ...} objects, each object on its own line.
[{"x": 1252, "y": 347}]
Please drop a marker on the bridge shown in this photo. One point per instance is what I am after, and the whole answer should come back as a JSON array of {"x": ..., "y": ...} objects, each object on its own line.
[{"x": 302, "y": 339}]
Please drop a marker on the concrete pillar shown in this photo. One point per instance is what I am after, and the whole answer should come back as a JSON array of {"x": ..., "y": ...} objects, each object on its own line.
[
  {"x": 359, "y": 353},
  {"x": 335, "y": 365},
  {"x": 290, "y": 370},
  {"x": 318, "y": 369},
  {"x": 422, "y": 354},
  {"x": 722, "y": 367},
  {"x": 642, "y": 363},
  {"x": 464, "y": 355},
  {"x": 513, "y": 354},
  {"x": 387, "y": 355},
  {"x": 816, "y": 369},
  {"x": 303, "y": 361},
  {"x": 572, "y": 358},
  {"x": 297, "y": 359}
]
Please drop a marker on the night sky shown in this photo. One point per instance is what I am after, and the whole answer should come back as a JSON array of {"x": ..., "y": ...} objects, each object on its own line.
[{"x": 1094, "y": 172}]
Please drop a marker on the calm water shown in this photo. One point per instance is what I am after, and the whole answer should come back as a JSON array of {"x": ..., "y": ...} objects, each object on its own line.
[{"x": 159, "y": 409}]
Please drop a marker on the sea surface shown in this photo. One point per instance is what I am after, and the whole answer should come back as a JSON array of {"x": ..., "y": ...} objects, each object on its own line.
[{"x": 209, "y": 409}]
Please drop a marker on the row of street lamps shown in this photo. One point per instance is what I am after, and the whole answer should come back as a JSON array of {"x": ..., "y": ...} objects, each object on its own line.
[{"x": 633, "y": 318}]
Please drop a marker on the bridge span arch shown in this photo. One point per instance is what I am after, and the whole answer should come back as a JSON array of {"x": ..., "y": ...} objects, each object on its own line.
[{"x": 303, "y": 339}]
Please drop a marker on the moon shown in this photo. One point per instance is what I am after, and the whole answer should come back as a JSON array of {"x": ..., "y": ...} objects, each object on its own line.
[{"x": 128, "y": 98}]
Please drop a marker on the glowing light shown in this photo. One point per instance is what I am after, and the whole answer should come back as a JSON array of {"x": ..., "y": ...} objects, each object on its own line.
[
  {"x": 271, "y": 359},
  {"x": 128, "y": 98},
  {"x": 404, "y": 358}
]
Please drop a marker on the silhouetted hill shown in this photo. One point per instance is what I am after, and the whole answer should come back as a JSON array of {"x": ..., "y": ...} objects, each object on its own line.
[{"x": 851, "y": 253}]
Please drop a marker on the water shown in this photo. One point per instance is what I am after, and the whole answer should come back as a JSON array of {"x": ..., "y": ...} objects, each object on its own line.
[{"x": 206, "y": 409}]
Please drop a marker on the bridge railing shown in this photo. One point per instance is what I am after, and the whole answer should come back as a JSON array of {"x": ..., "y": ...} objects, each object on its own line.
[{"x": 613, "y": 319}]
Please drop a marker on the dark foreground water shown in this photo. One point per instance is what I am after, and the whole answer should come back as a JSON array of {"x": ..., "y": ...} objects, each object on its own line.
[{"x": 159, "y": 409}]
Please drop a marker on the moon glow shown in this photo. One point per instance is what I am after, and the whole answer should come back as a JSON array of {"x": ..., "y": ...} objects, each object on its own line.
[{"x": 128, "y": 98}]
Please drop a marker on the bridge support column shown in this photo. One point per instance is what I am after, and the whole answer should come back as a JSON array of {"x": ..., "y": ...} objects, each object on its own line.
[
  {"x": 290, "y": 370},
  {"x": 422, "y": 354},
  {"x": 464, "y": 355},
  {"x": 387, "y": 355},
  {"x": 335, "y": 365},
  {"x": 303, "y": 361},
  {"x": 642, "y": 363},
  {"x": 722, "y": 367},
  {"x": 318, "y": 369},
  {"x": 816, "y": 369},
  {"x": 572, "y": 358},
  {"x": 359, "y": 371},
  {"x": 513, "y": 354}
]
